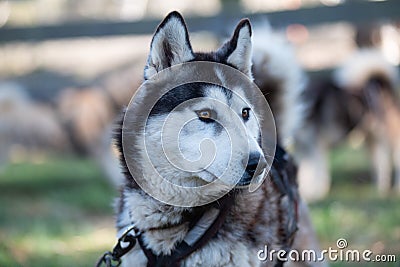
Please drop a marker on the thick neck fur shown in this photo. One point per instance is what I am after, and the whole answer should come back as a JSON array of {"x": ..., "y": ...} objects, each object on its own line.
[
  {"x": 251, "y": 223},
  {"x": 254, "y": 220}
]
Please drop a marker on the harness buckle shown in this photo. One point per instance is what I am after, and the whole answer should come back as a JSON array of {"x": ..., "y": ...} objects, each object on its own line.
[
  {"x": 121, "y": 248},
  {"x": 125, "y": 243},
  {"x": 108, "y": 260}
]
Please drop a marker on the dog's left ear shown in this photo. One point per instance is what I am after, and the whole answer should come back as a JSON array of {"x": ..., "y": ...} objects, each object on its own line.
[
  {"x": 170, "y": 45},
  {"x": 238, "y": 50}
]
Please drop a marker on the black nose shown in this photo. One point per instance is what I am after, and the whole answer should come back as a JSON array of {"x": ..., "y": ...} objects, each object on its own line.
[
  {"x": 255, "y": 160},
  {"x": 251, "y": 167}
]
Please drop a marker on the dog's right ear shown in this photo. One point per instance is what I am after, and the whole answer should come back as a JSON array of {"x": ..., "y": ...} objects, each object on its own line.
[
  {"x": 170, "y": 45},
  {"x": 238, "y": 50}
]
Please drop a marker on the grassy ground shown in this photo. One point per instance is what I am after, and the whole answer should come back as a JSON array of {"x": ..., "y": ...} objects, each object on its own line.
[
  {"x": 354, "y": 211},
  {"x": 54, "y": 214},
  {"x": 59, "y": 213}
]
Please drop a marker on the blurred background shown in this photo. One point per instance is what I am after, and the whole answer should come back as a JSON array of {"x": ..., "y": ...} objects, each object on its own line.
[{"x": 68, "y": 66}]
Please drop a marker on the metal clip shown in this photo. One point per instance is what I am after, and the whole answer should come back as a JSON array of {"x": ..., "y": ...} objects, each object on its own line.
[
  {"x": 113, "y": 259},
  {"x": 108, "y": 260}
]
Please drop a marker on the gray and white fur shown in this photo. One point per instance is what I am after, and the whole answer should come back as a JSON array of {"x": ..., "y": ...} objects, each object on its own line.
[{"x": 256, "y": 218}]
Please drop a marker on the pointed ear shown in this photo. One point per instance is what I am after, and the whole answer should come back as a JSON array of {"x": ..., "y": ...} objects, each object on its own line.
[
  {"x": 170, "y": 45},
  {"x": 238, "y": 50}
]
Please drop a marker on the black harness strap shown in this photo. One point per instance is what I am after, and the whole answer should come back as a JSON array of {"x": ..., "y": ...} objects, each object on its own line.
[
  {"x": 113, "y": 258},
  {"x": 183, "y": 249},
  {"x": 283, "y": 175}
]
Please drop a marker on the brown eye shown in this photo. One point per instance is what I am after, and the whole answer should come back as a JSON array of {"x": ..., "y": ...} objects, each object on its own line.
[
  {"x": 246, "y": 113},
  {"x": 205, "y": 115}
]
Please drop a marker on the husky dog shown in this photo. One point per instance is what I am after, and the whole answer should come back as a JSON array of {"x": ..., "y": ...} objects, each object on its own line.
[
  {"x": 90, "y": 132},
  {"x": 361, "y": 95},
  {"x": 79, "y": 122},
  {"x": 280, "y": 78},
  {"x": 231, "y": 230},
  {"x": 25, "y": 137},
  {"x": 88, "y": 114}
]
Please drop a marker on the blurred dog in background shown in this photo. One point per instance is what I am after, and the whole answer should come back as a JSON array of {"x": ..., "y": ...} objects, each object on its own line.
[
  {"x": 361, "y": 95},
  {"x": 78, "y": 122},
  {"x": 27, "y": 128}
]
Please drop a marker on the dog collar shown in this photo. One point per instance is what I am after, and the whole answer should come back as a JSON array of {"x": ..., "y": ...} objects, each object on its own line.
[
  {"x": 207, "y": 220},
  {"x": 203, "y": 226},
  {"x": 201, "y": 231}
]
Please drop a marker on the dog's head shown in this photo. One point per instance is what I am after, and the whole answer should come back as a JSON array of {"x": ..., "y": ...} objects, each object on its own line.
[{"x": 203, "y": 128}]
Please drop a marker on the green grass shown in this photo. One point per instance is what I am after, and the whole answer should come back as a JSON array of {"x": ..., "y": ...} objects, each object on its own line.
[
  {"x": 354, "y": 211},
  {"x": 54, "y": 214},
  {"x": 59, "y": 213}
]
